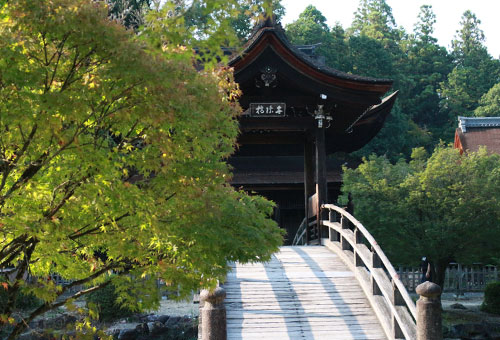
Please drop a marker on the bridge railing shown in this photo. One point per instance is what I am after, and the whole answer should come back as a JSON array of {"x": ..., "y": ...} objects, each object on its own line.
[
  {"x": 379, "y": 280},
  {"x": 301, "y": 235}
]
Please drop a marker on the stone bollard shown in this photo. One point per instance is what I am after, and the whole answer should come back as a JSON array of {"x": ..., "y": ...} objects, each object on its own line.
[
  {"x": 429, "y": 321},
  {"x": 212, "y": 318}
]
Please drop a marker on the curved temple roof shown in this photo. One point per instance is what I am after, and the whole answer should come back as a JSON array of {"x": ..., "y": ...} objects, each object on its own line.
[
  {"x": 269, "y": 34},
  {"x": 271, "y": 70}
]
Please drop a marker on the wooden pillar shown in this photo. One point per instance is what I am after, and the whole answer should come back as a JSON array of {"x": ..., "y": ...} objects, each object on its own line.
[
  {"x": 309, "y": 188},
  {"x": 321, "y": 182}
]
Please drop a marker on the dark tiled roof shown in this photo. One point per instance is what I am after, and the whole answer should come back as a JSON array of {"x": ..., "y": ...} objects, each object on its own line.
[{"x": 465, "y": 123}]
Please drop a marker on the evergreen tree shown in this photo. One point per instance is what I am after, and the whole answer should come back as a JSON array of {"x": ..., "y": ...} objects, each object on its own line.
[
  {"x": 469, "y": 40},
  {"x": 369, "y": 57},
  {"x": 338, "y": 52},
  {"x": 474, "y": 74},
  {"x": 374, "y": 47},
  {"x": 252, "y": 10},
  {"x": 374, "y": 19},
  {"x": 489, "y": 104},
  {"x": 311, "y": 28},
  {"x": 130, "y": 13},
  {"x": 426, "y": 66}
]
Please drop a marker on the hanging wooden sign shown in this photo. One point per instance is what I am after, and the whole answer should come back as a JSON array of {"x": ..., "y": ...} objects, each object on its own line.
[{"x": 267, "y": 109}]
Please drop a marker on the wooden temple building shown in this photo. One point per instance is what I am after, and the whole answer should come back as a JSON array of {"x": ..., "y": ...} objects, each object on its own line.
[{"x": 297, "y": 114}]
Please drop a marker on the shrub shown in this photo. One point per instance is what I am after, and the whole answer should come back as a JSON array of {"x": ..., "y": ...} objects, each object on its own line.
[
  {"x": 24, "y": 302},
  {"x": 491, "y": 303},
  {"x": 109, "y": 309}
]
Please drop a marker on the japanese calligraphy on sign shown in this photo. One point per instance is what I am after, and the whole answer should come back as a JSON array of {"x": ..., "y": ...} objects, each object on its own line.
[{"x": 267, "y": 109}]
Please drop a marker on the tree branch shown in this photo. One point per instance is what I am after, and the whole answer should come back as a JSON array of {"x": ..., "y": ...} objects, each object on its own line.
[
  {"x": 12, "y": 244},
  {"x": 22, "y": 325},
  {"x": 79, "y": 233},
  {"x": 21, "y": 270}
]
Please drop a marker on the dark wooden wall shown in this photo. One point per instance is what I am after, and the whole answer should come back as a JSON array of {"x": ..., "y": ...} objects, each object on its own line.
[{"x": 289, "y": 211}]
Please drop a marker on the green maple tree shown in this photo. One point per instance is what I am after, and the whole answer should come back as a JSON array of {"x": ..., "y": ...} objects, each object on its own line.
[{"x": 112, "y": 149}]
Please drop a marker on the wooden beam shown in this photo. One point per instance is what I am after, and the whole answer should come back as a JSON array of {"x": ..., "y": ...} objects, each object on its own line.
[
  {"x": 308, "y": 177},
  {"x": 271, "y": 138},
  {"x": 276, "y": 123},
  {"x": 321, "y": 182}
]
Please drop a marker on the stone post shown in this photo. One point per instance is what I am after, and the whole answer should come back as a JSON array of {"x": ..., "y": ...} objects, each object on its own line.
[
  {"x": 212, "y": 318},
  {"x": 429, "y": 321}
]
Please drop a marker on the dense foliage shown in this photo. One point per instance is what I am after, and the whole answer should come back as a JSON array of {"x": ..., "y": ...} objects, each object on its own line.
[
  {"x": 112, "y": 149},
  {"x": 491, "y": 303},
  {"x": 436, "y": 86},
  {"x": 105, "y": 300},
  {"x": 445, "y": 207}
]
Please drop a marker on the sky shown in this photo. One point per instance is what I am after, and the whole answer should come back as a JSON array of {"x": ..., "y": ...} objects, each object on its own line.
[{"x": 405, "y": 12}]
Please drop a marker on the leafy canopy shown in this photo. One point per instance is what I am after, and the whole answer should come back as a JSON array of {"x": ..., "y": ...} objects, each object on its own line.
[
  {"x": 474, "y": 74},
  {"x": 489, "y": 104},
  {"x": 446, "y": 207},
  {"x": 112, "y": 169}
]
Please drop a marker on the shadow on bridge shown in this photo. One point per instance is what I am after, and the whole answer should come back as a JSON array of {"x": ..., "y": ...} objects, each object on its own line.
[
  {"x": 355, "y": 327},
  {"x": 294, "y": 297}
]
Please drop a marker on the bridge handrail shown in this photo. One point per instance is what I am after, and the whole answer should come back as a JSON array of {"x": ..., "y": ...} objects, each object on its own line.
[
  {"x": 301, "y": 232},
  {"x": 398, "y": 286}
]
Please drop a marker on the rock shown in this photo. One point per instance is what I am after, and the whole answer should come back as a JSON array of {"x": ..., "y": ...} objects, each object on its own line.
[
  {"x": 446, "y": 332},
  {"x": 33, "y": 336},
  {"x": 492, "y": 329},
  {"x": 142, "y": 328},
  {"x": 157, "y": 328},
  {"x": 458, "y": 306},
  {"x": 115, "y": 334},
  {"x": 163, "y": 318},
  {"x": 128, "y": 334},
  {"x": 191, "y": 332},
  {"x": 186, "y": 319},
  {"x": 172, "y": 321},
  {"x": 151, "y": 318},
  {"x": 468, "y": 331}
]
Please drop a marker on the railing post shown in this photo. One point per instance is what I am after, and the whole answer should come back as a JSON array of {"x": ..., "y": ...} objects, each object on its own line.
[
  {"x": 213, "y": 314},
  {"x": 376, "y": 263},
  {"x": 344, "y": 222},
  {"x": 332, "y": 215},
  {"x": 358, "y": 236},
  {"x": 429, "y": 321}
]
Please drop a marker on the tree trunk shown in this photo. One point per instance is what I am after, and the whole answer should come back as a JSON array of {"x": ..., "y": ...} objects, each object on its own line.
[{"x": 439, "y": 272}]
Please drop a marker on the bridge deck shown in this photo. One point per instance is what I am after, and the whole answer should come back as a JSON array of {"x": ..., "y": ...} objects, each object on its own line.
[{"x": 302, "y": 293}]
